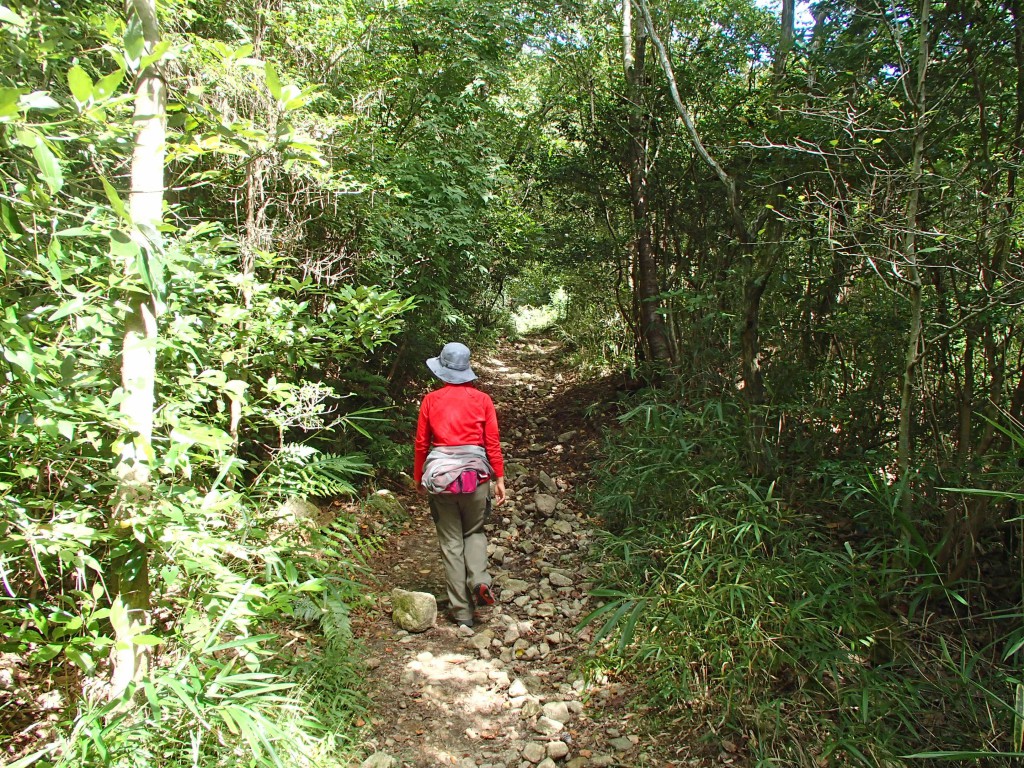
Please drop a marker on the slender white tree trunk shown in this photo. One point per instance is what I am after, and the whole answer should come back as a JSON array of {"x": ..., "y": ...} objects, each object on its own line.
[{"x": 138, "y": 355}]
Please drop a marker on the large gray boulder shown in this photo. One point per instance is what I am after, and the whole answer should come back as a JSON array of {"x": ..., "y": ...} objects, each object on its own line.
[{"x": 413, "y": 611}]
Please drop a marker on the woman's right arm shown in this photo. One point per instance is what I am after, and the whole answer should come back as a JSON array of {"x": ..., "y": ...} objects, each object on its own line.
[{"x": 421, "y": 445}]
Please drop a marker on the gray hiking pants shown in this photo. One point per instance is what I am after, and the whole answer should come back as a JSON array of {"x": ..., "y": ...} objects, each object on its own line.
[{"x": 459, "y": 519}]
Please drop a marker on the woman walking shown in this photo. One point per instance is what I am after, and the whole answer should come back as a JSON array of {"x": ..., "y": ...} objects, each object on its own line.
[{"x": 458, "y": 453}]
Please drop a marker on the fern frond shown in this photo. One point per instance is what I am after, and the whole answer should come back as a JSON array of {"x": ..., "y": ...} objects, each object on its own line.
[{"x": 300, "y": 470}]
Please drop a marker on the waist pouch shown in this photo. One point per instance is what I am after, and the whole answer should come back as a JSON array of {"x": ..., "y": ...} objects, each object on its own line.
[{"x": 467, "y": 482}]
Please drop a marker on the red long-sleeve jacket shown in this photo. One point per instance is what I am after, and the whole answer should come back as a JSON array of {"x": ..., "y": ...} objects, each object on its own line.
[{"x": 457, "y": 414}]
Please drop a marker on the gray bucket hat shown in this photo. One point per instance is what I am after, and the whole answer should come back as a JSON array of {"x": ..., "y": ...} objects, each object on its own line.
[{"x": 452, "y": 365}]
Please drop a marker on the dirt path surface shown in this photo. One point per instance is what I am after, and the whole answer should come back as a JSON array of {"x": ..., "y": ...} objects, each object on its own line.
[{"x": 508, "y": 693}]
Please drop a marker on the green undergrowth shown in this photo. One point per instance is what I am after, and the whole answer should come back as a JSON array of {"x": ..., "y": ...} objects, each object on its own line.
[
  {"x": 766, "y": 613},
  {"x": 253, "y": 662}
]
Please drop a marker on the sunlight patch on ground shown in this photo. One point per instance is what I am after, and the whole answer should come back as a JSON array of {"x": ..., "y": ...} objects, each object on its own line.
[{"x": 457, "y": 683}]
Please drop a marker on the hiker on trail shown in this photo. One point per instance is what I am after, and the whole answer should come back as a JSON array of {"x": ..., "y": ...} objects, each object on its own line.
[{"x": 457, "y": 454}]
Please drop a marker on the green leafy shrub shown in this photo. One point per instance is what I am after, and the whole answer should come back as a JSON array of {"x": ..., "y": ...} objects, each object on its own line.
[{"x": 740, "y": 605}]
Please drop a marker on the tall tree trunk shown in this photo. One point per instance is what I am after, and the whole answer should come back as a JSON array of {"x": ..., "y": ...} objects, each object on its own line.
[
  {"x": 634, "y": 45},
  {"x": 786, "y": 37},
  {"x": 912, "y": 358},
  {"x": 138, "y": 357}
]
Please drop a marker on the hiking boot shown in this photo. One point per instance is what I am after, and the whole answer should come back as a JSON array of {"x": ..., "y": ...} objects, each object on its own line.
[{"x": 483, "y": 595}]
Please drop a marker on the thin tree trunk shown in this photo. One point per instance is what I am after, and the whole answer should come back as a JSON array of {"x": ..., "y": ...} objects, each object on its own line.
[
  {"x": 634, "y": 44},
  {"x": 786, "y": 37},
  {"x": 913, "y": 354},
  {"x": 138, "y": 358}
]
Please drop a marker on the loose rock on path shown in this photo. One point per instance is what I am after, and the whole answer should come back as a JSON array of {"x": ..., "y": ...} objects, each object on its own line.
[{"x": 508, "y": 693}]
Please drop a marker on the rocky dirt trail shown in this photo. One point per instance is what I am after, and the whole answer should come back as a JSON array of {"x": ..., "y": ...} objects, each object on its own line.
[{"x": 508, "y": 693}]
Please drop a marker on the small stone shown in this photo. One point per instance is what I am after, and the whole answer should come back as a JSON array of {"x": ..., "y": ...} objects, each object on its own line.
[
  {"x": 380, "y": 760},
  {"x": 533, "y": 752},
  {"x": 464, "y": 631},
  {"x": 545, "y": 504},
  {"x": 531, "y": 708},
  {"x": 602, "y": 760},
  {"x": 527, "y": 547},
  {"x": 559, "y": 579},
  {"x": 621, "y": 744},
  {"x": 513, "y": 470},
  {"x": 518, "y": 688},
  {"x": 413, "y": 611},
  {"x": 536, "y": 448},
  {"x": 511, "y": 635},
  {"x": 557, "y": 749},
  {"x": 372, "y": 663},
  {"x": 512, "y": 587},
  {"x": 483, "y": 640},
  {"x": 298, "y": 508},
  {"x": 547, "y": 763},
  {"x": 547, "y": 482},
  {"x": 562, "y": 527},
  {"x": 547, "y": 726},
  {"x": 557, "y": 710},
  {"x": 565, "y": 437}
]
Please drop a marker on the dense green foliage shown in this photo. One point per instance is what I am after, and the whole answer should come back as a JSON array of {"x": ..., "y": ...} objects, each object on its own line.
[
  {"x": 305, "y": 215},
  {"x": 788, "y": 551},
  {"x": 813, "y": 259}
]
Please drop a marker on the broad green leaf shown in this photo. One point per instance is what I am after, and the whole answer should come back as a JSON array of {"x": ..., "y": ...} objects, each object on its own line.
[
  {"x": 79, "y": 658},
  {"x": 273, "y": 82},
  {"x": 106, "y": 86},
  {"x": 119, "y": 617},
  {"x": 45, "y": 159},
  {"x": 52, "y": 260},
  {"x": 38, "y": 100},
  {"x": 80, "y": 84},
  {"x": 46, "y": 652},
  {"x": 7, "y": 16},
  {"x": 23, "y": 359},
  {"x": 49, "y": 166},
  {"x": 9, "y": 219},
  {"x": 67, "y": 308},
  {"x": 160, "y": 50},
  {"x": 123, "y": 246},
  {"x": 115, "y": 200},
  {"x": 9, "y": 98},
  {"x": 134, "y": 42},
  {"x": 201, "y": 434}
]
